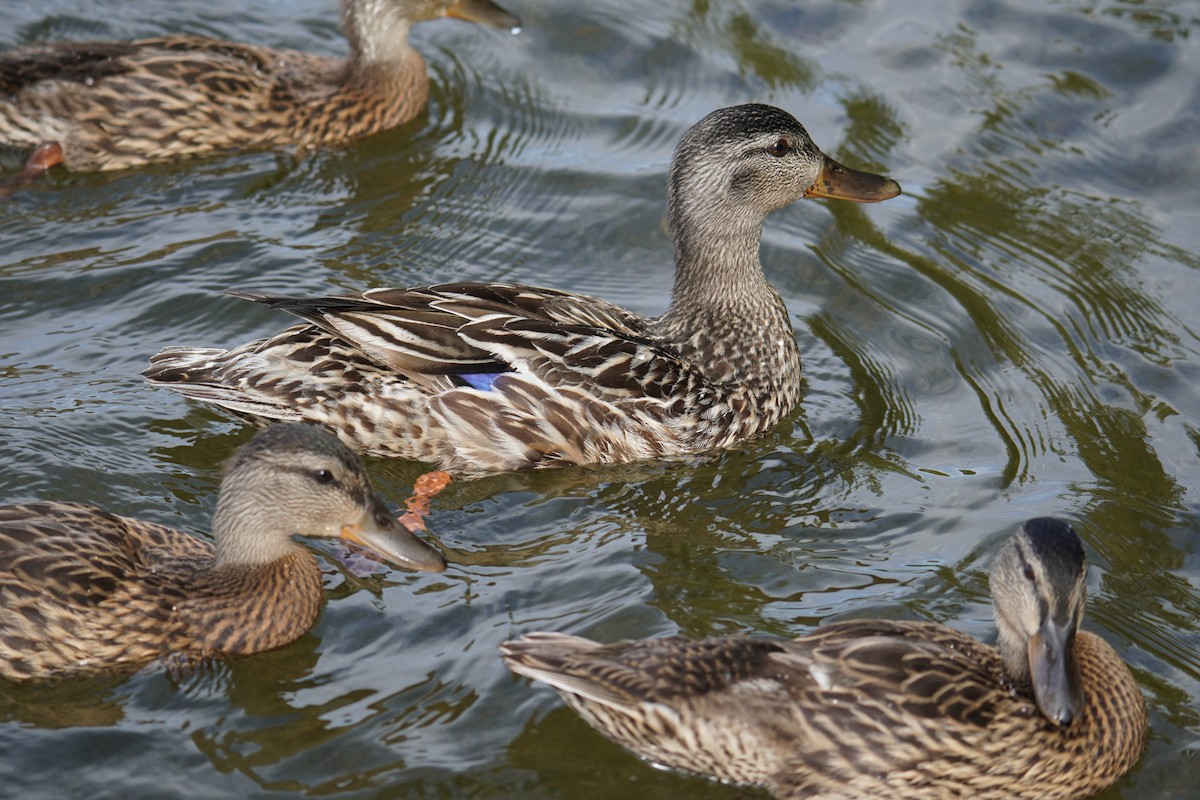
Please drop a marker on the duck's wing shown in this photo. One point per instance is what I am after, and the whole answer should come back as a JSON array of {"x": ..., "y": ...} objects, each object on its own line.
[
  {"x": 401, "y": 329},
  {"x": 536, "y": 303},
  {"x": 909, "y": 670},
  {"x": 857, "y": 698},
  {"x": 487, "y": 330},
  {"x": 917, "y": 663},
  {"x": 84, "y": 63},
  {"x": 66, "y": 554},
  {"x": 80, "y": 588},
  {"x": 214, "y": 68},
  {"x": 76, "y": 555},
  {"x": 625, "y": 675}
]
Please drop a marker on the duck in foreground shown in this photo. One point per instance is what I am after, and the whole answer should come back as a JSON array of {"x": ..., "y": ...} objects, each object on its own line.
[
  {"x": 83, "y": 589},
  {"x": 498, "y": 376},
  {"x": 872, "y": 709},
  {"x": 113, "y": 105}
]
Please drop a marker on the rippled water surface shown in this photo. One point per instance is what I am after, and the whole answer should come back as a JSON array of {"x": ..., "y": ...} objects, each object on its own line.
[{"x": 1016, "y": 335}]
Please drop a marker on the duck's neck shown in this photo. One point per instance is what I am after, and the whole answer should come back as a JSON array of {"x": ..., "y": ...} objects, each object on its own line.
[
  {"x": 716, "y": 271},
  {"x": 383, "y": 82},
  {"x": 244, "y": 537},
  {"x": 378, "y": 33},
  {"x": 724, "y": 316},
  {"x": 261, "y": 589}
]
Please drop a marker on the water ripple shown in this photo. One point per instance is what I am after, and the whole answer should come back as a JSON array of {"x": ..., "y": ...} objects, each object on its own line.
[{"x": 1013, "y": 336}]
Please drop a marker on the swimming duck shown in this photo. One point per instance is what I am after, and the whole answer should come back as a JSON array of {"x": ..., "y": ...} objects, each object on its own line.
[
  {"x": 500, "y": 376},
  {"x": 113, "y": 105},
  {"x": 83, "y": 589},
  {"x": 872, "y": 709}
]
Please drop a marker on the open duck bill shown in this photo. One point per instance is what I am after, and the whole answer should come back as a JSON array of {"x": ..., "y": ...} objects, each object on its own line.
[
  {"x": 842, "y": 183},
  {"x": 378, "y": 531},
  {"x": 485, "y": 12},
  {"x": 1053, "y": 672}
]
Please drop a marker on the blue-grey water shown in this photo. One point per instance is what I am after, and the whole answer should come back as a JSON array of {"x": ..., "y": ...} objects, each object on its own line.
[{"x": 1014, "y": 336}]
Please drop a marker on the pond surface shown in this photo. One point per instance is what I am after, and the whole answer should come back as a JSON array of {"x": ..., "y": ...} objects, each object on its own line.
[{"x": 1014, "y": 336}]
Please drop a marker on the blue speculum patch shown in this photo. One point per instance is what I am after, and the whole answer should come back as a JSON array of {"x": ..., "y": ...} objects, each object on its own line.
[{"x": 481, "y": 380}]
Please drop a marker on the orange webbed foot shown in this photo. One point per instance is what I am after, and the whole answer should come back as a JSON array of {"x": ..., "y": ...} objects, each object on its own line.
[
  {"x": 425, "y": 487},
  {"x": 47, "y": 155}
]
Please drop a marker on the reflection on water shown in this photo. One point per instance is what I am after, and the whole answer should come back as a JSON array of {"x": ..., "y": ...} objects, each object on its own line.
[{"x": 1014, "y": 336}]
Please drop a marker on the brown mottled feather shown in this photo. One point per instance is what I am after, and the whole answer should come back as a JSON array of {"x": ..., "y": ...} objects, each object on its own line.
[
  {"x": 92, "y": 589},
  {"x": 83, "y": 589},
  {"x": 856, "y": 710},
  {"x": 113, "y": 105}
]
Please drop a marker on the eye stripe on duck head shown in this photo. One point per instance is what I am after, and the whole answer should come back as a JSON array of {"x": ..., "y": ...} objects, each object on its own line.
[
  {"x": 1056, "y": 557},
  {"x": 305, "y": 450}
]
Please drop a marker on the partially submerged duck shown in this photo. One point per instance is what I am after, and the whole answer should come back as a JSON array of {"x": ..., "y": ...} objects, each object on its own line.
[
  {"x": 83, "y": 589},
  {"x": 878, "y": 709},
  {"x": 498, "y": 376},
  {"x": 113, "y": 105}
]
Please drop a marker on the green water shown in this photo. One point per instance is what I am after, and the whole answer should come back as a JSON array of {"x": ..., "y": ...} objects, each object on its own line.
[{"x": 1014, "y": 336}]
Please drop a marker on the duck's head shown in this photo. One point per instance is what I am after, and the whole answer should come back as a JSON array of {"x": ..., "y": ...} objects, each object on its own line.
[
  {"x": 293, "y": 479},
  {"x": 1039, "y": 590},
  {"x": 743, "y": 162}
]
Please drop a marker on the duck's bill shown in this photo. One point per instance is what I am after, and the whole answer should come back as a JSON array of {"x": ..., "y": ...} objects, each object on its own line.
[
  {"x": 1053, "y": 673},
  {"x": 379, "y": 532},
  {"x": 484, "y": 12},
  {"x": 842, "y": 183}
]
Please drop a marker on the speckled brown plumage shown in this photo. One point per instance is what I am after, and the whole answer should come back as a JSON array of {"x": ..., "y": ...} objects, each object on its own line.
[
  {"x": 83, "y": 589},
  {"x": 874, "y": 709},
  {"x": 480, "y": 377},
  {"x": 112, "y": 105}
]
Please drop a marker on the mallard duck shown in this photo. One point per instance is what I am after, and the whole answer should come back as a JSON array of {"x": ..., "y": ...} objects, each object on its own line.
[
  {"x": 878, "y": 709},
  {"x": 113, "y": 105},
  {"x": 499, "y": 376},
  {"x": 83, "y": 589}
]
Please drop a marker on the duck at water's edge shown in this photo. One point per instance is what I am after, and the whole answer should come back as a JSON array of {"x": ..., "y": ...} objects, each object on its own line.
[
  {"x": 84, "y": 590},
  {"x": 878, "y": 709},
  {"x": 485, "y": 377}
]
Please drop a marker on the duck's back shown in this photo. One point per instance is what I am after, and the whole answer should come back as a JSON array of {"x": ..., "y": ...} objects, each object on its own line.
[{"x": 80, "y": 586}]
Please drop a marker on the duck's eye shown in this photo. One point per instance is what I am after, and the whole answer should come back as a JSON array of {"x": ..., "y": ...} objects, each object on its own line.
[
  {"x": 1028, "y": 572},
  {"x": 779, "y": 147},
  {"x": 322, "y": 476}
]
